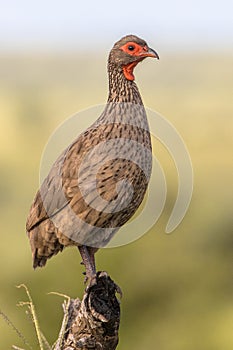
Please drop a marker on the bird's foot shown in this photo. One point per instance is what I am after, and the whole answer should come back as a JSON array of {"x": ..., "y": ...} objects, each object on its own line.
[{"x": 102, "y": 275}]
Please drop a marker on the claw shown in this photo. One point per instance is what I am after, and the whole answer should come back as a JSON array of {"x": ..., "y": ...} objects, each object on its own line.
[{"x": 119, "y": 291}]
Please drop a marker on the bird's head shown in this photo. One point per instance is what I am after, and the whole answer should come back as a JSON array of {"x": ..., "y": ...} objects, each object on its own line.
[{"x": 128, "y": 52}]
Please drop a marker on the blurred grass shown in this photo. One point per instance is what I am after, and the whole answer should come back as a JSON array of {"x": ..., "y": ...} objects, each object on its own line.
[{"x": 177, "y": 288}]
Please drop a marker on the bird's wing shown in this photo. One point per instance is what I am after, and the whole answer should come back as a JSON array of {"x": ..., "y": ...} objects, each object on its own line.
[
  {"x": 52, "y": 195},
  {"x": 61, "y": 185},
  {"x": 89, "y": 175},
  {"x": 45, "y": 202}
]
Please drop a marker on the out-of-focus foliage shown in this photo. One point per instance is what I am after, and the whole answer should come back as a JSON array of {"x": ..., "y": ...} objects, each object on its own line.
[{"x": 177, "y": 288}]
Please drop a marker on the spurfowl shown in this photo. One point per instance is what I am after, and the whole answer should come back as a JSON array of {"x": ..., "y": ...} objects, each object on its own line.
[{"x": 99, "y": 181}]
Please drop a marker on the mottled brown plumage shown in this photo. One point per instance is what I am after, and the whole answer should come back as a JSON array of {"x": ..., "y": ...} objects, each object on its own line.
[{"x": 84, "y": 199}]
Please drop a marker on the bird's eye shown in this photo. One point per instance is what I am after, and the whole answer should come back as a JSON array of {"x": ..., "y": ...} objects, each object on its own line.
[{"x": 131, "y": 47}]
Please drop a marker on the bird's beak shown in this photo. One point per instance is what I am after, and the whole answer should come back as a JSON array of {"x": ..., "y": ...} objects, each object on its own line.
[
  {"x": 148, "y": 52},
  {"x": 151, "y": 53}
]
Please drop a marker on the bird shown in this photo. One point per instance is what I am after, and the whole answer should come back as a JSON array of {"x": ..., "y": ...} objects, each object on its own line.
[{"x": 99, "y": 181}]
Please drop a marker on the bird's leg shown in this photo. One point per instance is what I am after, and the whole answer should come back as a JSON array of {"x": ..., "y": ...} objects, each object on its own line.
[
  {"x": 92, "y": 252},
  {"x": 88, "y": 261}
]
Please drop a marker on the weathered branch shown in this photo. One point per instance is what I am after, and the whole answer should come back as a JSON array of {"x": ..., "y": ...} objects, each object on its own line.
[{"x": 92, "y": 323}]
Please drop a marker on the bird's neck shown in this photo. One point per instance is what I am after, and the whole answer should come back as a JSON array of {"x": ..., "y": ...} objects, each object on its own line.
[
  {"x": 124, "y": 103},
  {"x": 120, "y": 88}
]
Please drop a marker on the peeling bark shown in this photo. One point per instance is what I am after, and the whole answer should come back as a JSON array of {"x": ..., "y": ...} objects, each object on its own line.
[{"x": 92, "y": 323}]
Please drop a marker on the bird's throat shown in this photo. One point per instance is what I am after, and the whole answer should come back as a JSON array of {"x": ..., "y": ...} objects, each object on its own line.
[
  {"x": 122, "y": 87},
  {"x": 128, "y": 70}
]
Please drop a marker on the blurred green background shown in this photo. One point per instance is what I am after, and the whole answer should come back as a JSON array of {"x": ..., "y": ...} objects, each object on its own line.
[{"x": 177, "y": 288}]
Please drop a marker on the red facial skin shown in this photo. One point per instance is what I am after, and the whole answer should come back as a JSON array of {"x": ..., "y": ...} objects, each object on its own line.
[{"x": 136, "y": 51}]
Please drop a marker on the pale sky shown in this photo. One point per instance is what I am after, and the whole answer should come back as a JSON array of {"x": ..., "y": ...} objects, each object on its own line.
[{"x": 74, "y": 24}]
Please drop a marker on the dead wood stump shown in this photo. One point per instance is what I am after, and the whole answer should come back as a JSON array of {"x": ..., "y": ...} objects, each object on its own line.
[{"x": 92, "y": 323}]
